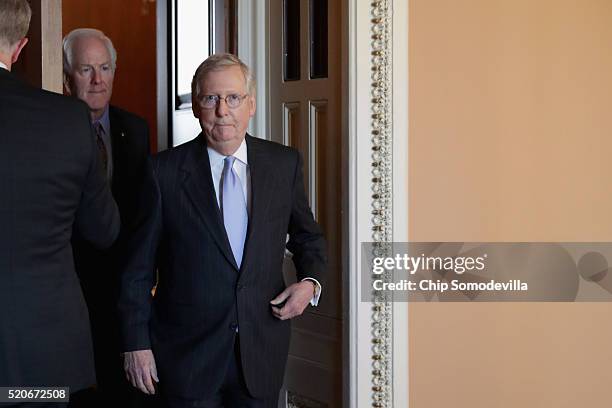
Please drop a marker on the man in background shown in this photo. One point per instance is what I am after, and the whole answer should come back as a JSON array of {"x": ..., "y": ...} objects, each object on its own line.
[
  {"x": 90, "y": 61},
  {"x": 51, "y": 182}
]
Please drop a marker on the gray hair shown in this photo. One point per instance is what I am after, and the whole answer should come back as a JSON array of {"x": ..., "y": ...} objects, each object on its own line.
[
  {"x": 220, "y": 61},
  {"x": 15, "y": 18},
  {"x": 70, "y": 39}
]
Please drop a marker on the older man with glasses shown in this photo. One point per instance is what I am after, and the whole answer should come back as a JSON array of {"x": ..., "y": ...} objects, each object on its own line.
[{"x": 220, "y": 207}]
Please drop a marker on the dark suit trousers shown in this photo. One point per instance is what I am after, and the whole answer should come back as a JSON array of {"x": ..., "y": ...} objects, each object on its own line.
[{"x": 233, "y": 392}]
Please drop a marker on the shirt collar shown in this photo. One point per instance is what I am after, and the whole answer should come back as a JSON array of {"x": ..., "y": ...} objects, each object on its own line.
[
  {"x": 241, "y": 154},
  {"x": 104, "y": 121},
  {"x": 3, "y": 66}
]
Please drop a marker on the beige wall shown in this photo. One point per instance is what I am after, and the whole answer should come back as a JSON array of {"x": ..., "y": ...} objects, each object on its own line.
[{"x": 510, "y": 140}]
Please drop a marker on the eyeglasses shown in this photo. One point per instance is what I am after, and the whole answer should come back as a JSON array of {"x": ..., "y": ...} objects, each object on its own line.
[{"x": 232, "y": 101}]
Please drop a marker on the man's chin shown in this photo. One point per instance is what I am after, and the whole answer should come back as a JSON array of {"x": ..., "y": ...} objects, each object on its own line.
[
  {"x": 96, "y": 111},
  {"x": 224, "y": 131},
  {"x": 96, "y": 105},
  {"x": 224, "y": 144},
  {"x": 224, "y": 137}
]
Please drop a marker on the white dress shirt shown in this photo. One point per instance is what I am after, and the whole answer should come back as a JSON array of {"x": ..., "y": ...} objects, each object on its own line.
[
  {"x": 3, "y": 66},
  {"x": 241, "y": 167}
]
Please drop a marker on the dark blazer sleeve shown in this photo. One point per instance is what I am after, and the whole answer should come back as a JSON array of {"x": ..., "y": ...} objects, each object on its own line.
[
  {"x": 97, "y": 217},
  {"x": 138, "y": 277},
  {"x": 306, "y": 241}
]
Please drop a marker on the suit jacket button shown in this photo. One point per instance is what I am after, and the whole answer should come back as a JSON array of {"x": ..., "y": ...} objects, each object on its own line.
[
  {"x": 233, "y": 326},
  {"x": 240, "y": 286}
]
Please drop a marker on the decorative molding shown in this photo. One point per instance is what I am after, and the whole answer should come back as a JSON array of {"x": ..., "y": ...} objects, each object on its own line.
[
  {"x": 382, "y": 195},
  {"x": 384, "y": 345}
]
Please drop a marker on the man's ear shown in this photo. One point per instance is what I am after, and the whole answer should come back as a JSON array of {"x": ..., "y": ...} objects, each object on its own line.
[
  {"x": 194, "y": 106},
  {"x": 66, "y": 81},
  {"x": 18, "y": 48},
  {"x": 252, "y": 105}
]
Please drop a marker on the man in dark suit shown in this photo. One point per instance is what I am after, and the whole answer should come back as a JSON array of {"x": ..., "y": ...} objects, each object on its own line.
[
  {"x": 51, "y": 180},
  {"x": 90, "y": 62},
  {"x": 220, "y": 208}
]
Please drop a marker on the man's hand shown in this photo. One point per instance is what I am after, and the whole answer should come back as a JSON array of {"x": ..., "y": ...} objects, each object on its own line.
[
  {"x": 297, "y": 296},
  {"x": 140, "y": 370}
]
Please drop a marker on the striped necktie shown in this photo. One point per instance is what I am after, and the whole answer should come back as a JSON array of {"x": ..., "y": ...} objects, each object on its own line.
[{"x": 101, "y": 146}]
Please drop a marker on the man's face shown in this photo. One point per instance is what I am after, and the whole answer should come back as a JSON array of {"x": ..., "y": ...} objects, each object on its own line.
[
  {"x": 224, "y": 127},
  {"x": 91, "y": 78}
]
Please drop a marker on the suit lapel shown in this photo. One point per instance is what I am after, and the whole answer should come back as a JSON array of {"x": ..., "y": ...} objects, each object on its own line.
[
  {"x": 262, "y": 178},
  {"x": 199, "y": 188}
]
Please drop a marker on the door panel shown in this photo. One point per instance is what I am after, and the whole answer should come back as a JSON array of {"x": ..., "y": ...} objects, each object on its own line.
[{"x": 305, "y": 98}]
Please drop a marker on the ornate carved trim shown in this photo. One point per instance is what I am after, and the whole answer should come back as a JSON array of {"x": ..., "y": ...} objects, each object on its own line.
[{"x": 382, "y": 186}]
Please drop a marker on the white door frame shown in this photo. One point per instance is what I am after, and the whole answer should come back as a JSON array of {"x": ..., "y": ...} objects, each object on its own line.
[
  {"x": 357, "y": 46},
  {"x": 360, "y": 191},
  {"x": 253, "y": 44},
  {"x": 161, "y": 21}
]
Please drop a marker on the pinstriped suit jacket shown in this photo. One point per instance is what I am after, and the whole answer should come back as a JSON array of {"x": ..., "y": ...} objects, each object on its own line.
[{"x": 201, "y": 294}]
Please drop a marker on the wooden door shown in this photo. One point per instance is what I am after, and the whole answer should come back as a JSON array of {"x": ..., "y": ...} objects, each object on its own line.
[{"x": 305, "y": 101}]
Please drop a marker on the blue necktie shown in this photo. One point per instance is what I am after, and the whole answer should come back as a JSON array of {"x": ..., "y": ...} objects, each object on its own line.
[{"x": 233, "y": 207}]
